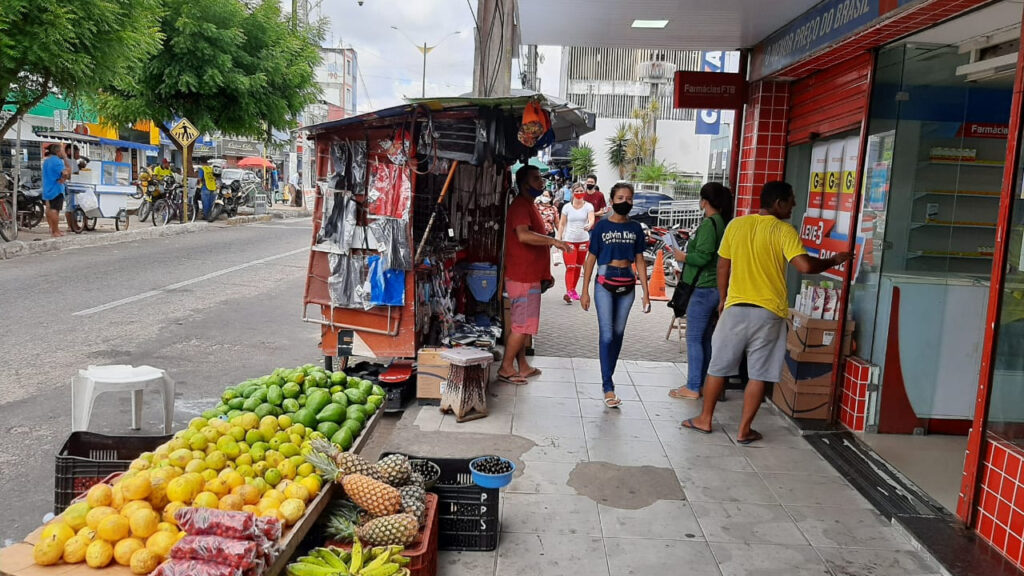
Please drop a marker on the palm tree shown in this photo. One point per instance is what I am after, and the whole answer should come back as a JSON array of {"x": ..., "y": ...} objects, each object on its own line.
[
  {"x": 617, "y": 144},
  {"x": 581, "y": 159}
]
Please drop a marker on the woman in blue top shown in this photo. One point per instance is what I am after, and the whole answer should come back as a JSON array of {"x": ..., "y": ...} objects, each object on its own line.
[
  {"x": 53, "y": 187},
  {"x": 616, "y": 245}
]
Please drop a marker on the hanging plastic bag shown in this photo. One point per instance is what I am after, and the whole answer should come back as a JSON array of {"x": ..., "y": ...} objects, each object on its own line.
[
  {"x": 390, "y": 191},
  {"x": 535, "y": 124},
  {"x": 339, "y": 161},
  {"x": 393, "y": 243},
  {"x": 387, "y": 287},
  {"x": 357, "y": 174}
]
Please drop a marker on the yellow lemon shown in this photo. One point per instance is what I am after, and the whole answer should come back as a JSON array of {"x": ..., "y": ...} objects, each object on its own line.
[
  {"x": 88, "y": 533},
  {"x": 248, "y": 493},
  {"x": 296, "y": 490},
  {"x": 217, "y": 487},
  {"x": 169, "y": 510},
  {"x": 167, "y": 527},
  {"x": 134, "y": 506},
  {"x": 231, "y": 502},
  {"x": 275, "y": 494},
  {"x": 292, "y": 509},
  {"x": 124, "y": 550},
  {"x": 74, "y": 549},
  {"x": 99, "y": 554},
  {"x": 92, "y": 519},
  {"x": 181, "y": 489},
  {"x": 74, "y": 515},
  {"x": 99, "y": 495},
  {"x": 143, "y": 523},
  {"x": 113, "y": 528},
  {"x": 137, "y": 488},
  {"x": 143, "y": 561},
  {"x": 59, "y": 531},
  {"x": 312, "y": 483},
  {"x": 48, "y": 551},
  {"x": 161, "y": 543},
  {"x": 206, "y": 500}
]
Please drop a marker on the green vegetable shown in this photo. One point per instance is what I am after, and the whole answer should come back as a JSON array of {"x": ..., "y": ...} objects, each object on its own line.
[
  {"x": 306, "y": 417},
  {"x": 331, "y": 413},
  {"x": 318, "y": 399},
  {"x": 352, "y": 425},
  {"x": 275, "y": 395},
  {"x": 291, "y": 390},
  {"x": 356, "y": 413},
  {"x": 236, "y": 403},
  {"x": 328, "y": 429},
  {"x": 343, "y": 437},
  {"x": 251, "y": 403},
  {"x": 290, "y": 405},
  {"x": 377, "y": 390},
  {"x": 355, "y": 396},
  {"x": 366, "y": 387},
  {"x": 264, "y": 409},
  {"x": 340, "y": 398}
]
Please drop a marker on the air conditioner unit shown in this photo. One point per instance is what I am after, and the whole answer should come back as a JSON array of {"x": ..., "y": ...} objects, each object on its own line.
[{"x": 992, "y": 56}]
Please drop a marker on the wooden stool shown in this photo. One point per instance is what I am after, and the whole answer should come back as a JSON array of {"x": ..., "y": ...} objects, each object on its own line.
[
  {"x": 679, "y": 325},
  {"x": 465, "y": 391}
]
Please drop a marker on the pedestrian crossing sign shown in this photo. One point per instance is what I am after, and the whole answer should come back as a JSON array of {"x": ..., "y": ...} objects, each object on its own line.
[{"x": 184, "y": 132}]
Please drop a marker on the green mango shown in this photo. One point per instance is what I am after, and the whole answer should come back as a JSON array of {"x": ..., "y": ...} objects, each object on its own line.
[
  {"x": 331, "y": 413},
  {"x": 250, "y": 404},
  {"x": 263, "y": 409},
  {"x": 356, "y": 413},
  {"x": 302, "y": 399},
  {"x": 352, "y": 425},
  {"x": 328, "y": 428},
  {"x": 248, "y": 392},
  {"x": 237, "y": 403},
  {"x": 343, "y": 438},
  {"x": 340, "y": 398},
  {"x": 211, "y": 414},
  {"x": 318, "y": 399},
  {"x": 275, "y": 379},
  {"x": 366, "y": 387},
  {"x": 377, "y": 390},
  {"x": 375, "y": 401},
  {"x": 306, "y": 417},
  {"x": 229, "y": 394},
  {"x": 355, "y": 396},
  {"x": 234, "y": 413},
  {"x": 290, "y": 405},
  {"x": 275, "y": 395},
  {"x": 291, "y": 390},
  {"x": 261, "y": 394},
  {"x": 338, "y": 378},
  {"x": 369, "y": 409}
]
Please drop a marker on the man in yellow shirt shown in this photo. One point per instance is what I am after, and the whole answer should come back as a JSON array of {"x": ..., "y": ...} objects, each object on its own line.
[
  {"x": 163, "y": 170},
  {"x": 754, "y": 304}
]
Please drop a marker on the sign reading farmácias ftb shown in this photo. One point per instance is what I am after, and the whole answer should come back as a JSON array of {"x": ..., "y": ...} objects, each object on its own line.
[{"x": 709, "y": 90}]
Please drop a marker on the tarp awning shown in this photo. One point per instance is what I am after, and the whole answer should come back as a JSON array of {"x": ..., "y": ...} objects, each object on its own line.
[{"x": 127, "y": 144}]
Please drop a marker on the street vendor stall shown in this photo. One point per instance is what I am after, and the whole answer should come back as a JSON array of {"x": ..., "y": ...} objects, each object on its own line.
[{"x": 408, "y": 224}]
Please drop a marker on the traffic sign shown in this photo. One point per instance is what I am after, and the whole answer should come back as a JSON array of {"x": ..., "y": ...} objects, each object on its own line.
[{"x": 184, "y": 132}]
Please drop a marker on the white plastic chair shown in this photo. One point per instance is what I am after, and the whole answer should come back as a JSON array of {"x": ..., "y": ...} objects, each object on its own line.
[{"x": 95, "y": 380}]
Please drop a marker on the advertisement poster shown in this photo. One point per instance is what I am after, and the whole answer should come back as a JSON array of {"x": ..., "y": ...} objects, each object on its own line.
[{"x": 825, "y": 226}]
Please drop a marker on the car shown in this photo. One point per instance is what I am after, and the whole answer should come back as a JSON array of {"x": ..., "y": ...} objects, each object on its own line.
[
  {"x": 642, "y": 204},
  {"x": 229, "y": 175}
]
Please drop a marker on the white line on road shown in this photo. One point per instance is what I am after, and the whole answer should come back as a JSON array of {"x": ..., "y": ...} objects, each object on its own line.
[{"x": 177, "y": 285}]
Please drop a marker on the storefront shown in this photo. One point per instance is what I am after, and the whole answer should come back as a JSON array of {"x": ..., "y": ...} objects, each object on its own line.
[{"x": 901, "y": 139}]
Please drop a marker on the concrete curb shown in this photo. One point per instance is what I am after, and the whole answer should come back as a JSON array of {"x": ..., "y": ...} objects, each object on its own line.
[{"x": 18, "y": 248}]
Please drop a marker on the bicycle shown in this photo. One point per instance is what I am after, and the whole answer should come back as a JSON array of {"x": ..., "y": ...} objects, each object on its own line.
[
  {"x": 170, "y": 207},
  {"x": 8, "y": 230}
]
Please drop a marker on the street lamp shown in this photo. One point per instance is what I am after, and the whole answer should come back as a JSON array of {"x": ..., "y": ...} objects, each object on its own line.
[{"x": 424, "y": 49}]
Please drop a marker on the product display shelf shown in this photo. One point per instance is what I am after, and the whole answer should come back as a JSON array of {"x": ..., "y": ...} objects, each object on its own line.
[
  {"x": 959, "y": 194},
  {"x": 940, "y": 254},
  {"x": 943, "y": 224},
  {"x": 965, "y": 163}
]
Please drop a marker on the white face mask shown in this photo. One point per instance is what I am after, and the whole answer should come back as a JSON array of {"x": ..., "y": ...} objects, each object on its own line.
[{"x": 544, "y": 200}]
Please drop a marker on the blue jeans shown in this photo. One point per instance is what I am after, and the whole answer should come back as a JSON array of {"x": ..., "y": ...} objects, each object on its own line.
[
  {"x": 612, "y": 313},
  {"x": 700, "y": 313},
  {"x": 208, "y": 199}
]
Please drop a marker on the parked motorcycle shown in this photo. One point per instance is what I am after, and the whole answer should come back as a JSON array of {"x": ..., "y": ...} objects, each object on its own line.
[
  {"x": 656, "y": 243},
  {"x": 31, "y": 208},
  {"x": 227, "y": 201}
]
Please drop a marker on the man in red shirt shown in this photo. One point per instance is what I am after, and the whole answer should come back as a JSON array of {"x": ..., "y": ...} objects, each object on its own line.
[
  {"x": 527, "y": 263},
  {"x": 595, "y": 197}
]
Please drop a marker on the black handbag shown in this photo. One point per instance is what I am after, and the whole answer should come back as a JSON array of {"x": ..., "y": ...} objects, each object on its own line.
[{"x": 681, "y": 295}]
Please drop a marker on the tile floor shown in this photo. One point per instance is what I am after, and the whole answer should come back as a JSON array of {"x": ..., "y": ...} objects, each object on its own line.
[{"x": 772, "y": 508}]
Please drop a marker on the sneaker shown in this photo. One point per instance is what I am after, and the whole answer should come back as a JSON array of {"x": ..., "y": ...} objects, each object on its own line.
[
  {"x": 575, "y": 295},
  {"x": 567, "y": 298}
]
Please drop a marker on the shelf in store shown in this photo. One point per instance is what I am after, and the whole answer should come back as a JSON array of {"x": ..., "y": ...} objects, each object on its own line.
[
  {"x": 958, "y": 255},
  {"x": 982, "y": 225},
  {"x": 972, "y": 163},
  {"x": 959, "y": 193}
]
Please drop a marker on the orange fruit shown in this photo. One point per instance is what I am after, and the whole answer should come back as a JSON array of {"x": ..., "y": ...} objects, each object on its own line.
[
  {"x": 99, "y": 495},
  {"x": 231, "y": 502},
  {"x": 92, "y": 519},
  {"x": 161, "y": 542},
  {"x": 143, "y": 561},
  {"x": 249, "y": 494},
  {"x": 134, "y": 506},
  {"x": 143, "y": 524},
  {"x": 136, "y": 488},
  {"x": 113, "y": 528},
  {"x": 124, "y": 549}
]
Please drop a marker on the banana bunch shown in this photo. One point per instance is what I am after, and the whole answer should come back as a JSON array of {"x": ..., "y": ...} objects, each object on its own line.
[{"x": 377, "y": 561}]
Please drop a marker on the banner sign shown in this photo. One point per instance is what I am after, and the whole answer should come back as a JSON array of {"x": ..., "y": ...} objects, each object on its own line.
[
  {"x": 708, "y": 120},
  {"x": 717, "y": 90},
  {"x": 984, "y": 130},
  {"x": 825, "y": 24}
]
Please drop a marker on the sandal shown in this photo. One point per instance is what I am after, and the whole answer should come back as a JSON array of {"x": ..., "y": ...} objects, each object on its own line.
[
  {"x": 612, "y": 402},
  {"x": 689, "y": 425},
  {"x": 683, "y": 393},
  {"x": 753, "y": 437},
  {"x": 511, "y": 379},
  {"x": 531, "y": 373}
]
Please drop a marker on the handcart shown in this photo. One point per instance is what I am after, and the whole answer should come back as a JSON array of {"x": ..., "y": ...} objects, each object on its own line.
[{"x": 105, "y": 202}]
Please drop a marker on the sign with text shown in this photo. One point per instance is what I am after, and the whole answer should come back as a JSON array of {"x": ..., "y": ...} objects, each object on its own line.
[
  {"x": 714, "y": 90},
  {"x": 984, "y": 130},
  {"x": 708, "y": 121}
]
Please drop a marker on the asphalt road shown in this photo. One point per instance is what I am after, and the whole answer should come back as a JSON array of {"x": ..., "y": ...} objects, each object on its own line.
[{"x": 212, "y": 308}]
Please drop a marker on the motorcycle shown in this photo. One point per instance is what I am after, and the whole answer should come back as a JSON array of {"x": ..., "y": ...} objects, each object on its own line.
[
  {"x": 656, "y": 244},
  {"x": 31, "y": 208},
  {"x": 152, "y": 190},
  {"x": 227, "y": 201}
]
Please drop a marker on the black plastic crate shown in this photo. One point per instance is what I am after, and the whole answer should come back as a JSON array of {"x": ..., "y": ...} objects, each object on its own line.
[
  {"x": 87, "y": 457},
  {"x": 467, "y": 514}
]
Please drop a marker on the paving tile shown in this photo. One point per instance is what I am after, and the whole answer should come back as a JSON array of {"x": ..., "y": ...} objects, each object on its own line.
[
  {"x": 666, "y": 379},
  {"x": 555, "y": 375},
  {"x": 540, "y": 406},
  {"x": 593, "y": 390},
  {"x": 712, "y": 485},
  {"x": 620, "y": 378},
  {"x": 682, "y": 367},
  {"x": 813, "y": 490},
  {"x": 555, "y": 449},
  {"x": 859, "y": 562},
  {"x": 491, "y": 424},
  {"x": 594, "y": 408},
  {"x": 565, "y": 389},
  {"x": 550, "y": 362},
  {"x": 671, "y": 431},
  {"x": 560, "y": 427},
  {"x": 613, "y": 428},
  {"x": 550, "y": 555},
  {"x": 465, "y": 563},
  {"x": 671, "y": 409},
  {"x": 768, "y": 458},
  {"x": 768, "y": 560},
  {"x": 627, "y": 452},
  {"x": 586, "y": 364},
  {"x": 663, "y": 520},
  {"x": 747, "y": 523},
  {"x": 428, "y": 418},
  {"x": 847, "y": 528},
  {"x": 706, "y": 456},
  {"x": 543, "y": 478},
  {"x": 645, "y": 367},
  {"x": 659, "y": 394},
  {"x": 550, "y": 514},
  {"x": 496, "y": 388},
  {"x": 645, "y": 557}
]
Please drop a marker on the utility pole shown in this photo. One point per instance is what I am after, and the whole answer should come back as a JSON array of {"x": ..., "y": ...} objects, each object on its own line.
[
  {"x": 530, "y": 80},
  {"x": 495, "y": 41}
]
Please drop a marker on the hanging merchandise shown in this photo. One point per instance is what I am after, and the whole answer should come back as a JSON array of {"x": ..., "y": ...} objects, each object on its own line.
[
  {"x": 340, "y": 222},
  {"x": 535, "y": 124},
  {"x": 393, "y": 243},
  {"x": 357, "y": 172},
  {"x": 387, "y": 287},
  {"x": 396, "y": 148},
  {"x": 341, "y": 282},
  {"x": 390, "y": 191},
  {"x": 339, "y": 161}
]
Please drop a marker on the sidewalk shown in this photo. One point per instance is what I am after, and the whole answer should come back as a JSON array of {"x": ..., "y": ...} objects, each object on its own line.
[{"x": 600, "y": 491}]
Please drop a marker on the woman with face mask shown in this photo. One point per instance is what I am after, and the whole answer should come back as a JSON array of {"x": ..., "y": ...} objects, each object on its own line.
[
  {"x": 616, "y": 245},
  {"x": 548, "y": 213},
  {"x": 574, "y": 228}
]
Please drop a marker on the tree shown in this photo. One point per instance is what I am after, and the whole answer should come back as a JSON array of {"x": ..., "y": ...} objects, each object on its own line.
[
  {"x": 581, "y": 159},
  {"x": 656, "y": 173},
  {"x": 642, "y": 140},
  {"x": 71, "y": 47},
  {"x": 617, "y": 143},
  {"x": 238, "y": 68}
]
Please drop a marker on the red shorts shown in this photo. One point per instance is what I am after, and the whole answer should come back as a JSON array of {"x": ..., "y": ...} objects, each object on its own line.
[{"x": 525, "y": 304}]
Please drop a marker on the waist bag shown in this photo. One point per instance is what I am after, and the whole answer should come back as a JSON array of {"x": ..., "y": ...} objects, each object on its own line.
[{"x": 618, "y": 281}]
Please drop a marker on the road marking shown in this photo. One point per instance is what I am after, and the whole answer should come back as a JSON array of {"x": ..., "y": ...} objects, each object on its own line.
[{"x": 182, "y": 284}]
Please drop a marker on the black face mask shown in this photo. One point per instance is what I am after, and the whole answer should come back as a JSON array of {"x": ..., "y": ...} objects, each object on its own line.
[
  {"x": 622, "y": 208},
  {"x": 591, "y": 186}
]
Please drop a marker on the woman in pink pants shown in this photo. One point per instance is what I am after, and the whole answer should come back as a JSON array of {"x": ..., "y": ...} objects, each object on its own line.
[{"x": 574, "y": 228}]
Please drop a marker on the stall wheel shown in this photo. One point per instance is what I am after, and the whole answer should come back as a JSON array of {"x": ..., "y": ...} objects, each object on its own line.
[
  {"x": 89, "y": 224},
  {"x": 121, "y": 222},
  {"x": 76, "y": 220}
]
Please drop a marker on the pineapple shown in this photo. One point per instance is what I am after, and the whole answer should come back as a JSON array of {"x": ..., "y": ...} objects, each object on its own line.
[
  {"x": 394, "y": 530},
  {"x": 414, "y": 501},
  {"x": 374, "y": 496},
  {"x": 394, "y": 469},
  {"x": 324, "y": 464},
  {"x": 345, "y": 462},
  {"x": 415, "y": 479}
]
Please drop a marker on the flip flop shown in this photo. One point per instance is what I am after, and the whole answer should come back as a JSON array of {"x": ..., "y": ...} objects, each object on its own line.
[
  {"x": 612, "y": 402},
  {"x": 678, "y": 393},
  {"x": 511, "y": 379},
  {"x": 531, "y": 374},
  {"x": 754, "y": 437},
  {"x": 689, "y": 425}
]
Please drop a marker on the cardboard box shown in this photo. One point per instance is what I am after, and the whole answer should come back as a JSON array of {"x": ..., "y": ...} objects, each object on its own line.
[
  {"x": 431, "y": 370},
  {"x": 815, "y": 340},
  {"x": 802, "y": 399},
  {"x": 809, "y": 374}
]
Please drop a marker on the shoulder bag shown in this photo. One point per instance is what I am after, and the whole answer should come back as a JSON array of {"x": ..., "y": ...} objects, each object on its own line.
[{"x": 681, "y": 295}]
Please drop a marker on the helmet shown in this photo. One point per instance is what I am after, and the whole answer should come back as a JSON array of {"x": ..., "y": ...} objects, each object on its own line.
[{"x": 216, "y": 171}]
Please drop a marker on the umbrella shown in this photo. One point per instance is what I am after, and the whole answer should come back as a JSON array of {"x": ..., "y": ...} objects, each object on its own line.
[{"x": 255, "y": 162}]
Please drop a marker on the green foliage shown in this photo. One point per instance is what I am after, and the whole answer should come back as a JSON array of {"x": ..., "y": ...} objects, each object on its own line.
[
  {"x": 240, "y": 69},
  {"x": 642, "y": 141},
  {"x": 656, "y": 173},
  {"x": 73, "y": 47},
  {"x": 617, "y": 144},
  {"x": 581, "y": 159}
]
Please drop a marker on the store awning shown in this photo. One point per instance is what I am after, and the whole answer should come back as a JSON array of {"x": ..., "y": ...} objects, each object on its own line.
[{"x": 127, "y": 144}]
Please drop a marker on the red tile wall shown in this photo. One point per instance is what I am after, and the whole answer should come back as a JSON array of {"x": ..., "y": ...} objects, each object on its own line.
[
  {"x": 853, "y": 405},
  {"x": 763, "y": 148},
  {"x": 1000, "y": 504}
]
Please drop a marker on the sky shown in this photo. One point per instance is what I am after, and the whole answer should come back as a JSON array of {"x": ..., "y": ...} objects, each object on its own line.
[{"x": 390, "y": 64}]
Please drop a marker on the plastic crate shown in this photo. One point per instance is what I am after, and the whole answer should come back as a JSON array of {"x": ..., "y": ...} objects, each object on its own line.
[
  {"x": 468, "y": 518},
  {"x": 87, "y": 458},
  {"x": 398, "y": 395},
  {"x": 422, "y": 553}
]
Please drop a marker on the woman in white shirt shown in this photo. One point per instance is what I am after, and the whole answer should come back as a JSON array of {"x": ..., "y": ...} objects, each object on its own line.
[{"x": 574, "y": 229}]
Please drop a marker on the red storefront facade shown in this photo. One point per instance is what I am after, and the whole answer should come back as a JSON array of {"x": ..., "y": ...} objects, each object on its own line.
[{"x": 836, "y": 92}]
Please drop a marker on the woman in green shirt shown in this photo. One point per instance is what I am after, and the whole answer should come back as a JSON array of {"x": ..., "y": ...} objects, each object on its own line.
[{"x": 701, "y": 271}]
